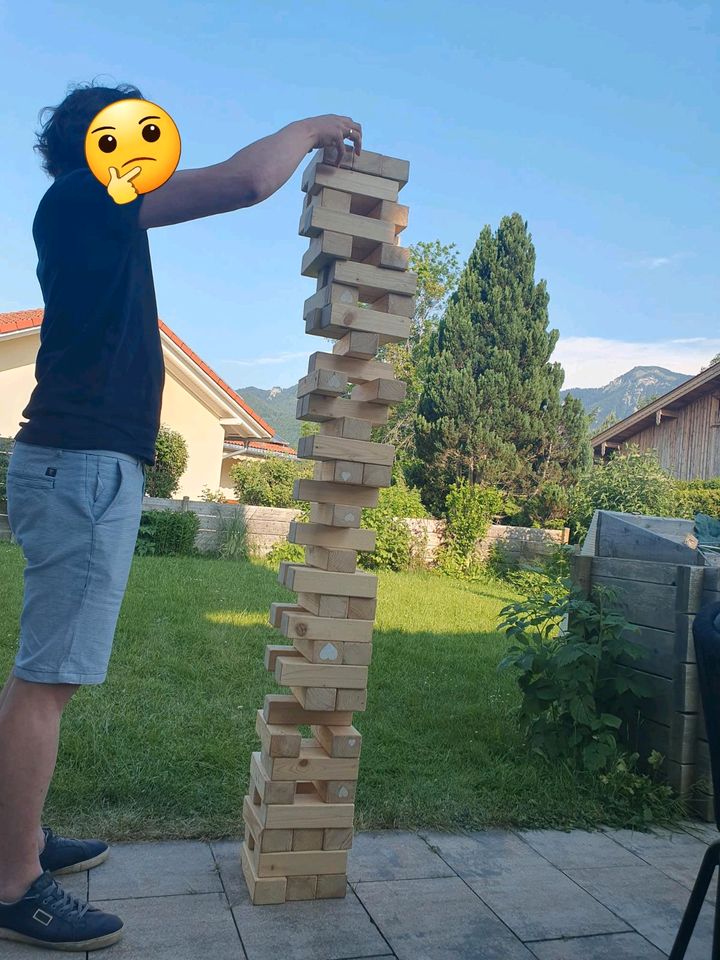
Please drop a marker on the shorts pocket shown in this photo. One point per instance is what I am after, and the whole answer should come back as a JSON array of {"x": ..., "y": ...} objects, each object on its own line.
[{"x": 23, "y": 480}]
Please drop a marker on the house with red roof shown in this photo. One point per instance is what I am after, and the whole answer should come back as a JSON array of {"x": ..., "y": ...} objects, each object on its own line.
[{"x": 218, "y": 426}]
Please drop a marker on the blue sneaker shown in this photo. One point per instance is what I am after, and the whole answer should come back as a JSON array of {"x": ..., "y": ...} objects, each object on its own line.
[
  {"x": 62, "y": 856},
  {"x": 49, "y": 917}
]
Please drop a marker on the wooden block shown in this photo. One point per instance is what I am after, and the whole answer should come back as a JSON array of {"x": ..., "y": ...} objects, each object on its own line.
[
  {"x": 331, "y": 293},
  {"x": 372, "y": 282},
  {"x": 335, "y": 839},
  {"x": 338, "y": 741},
  {"x": 298, "y": 672},
  {"x": 318, "y": 409},
  {"x": 359, "y": 345},
  {"x": 357, "y": 654},
  {"x": 350, "y": 369},
  {"x": 320, "y": 491},
  {"x": 330, "y": 200},
  {"x": 337, "y": 791},
  {"x": 268, "y": 840},
  {"x": 312, "y": 764},
  {"x": 325, "y": 606},
  {"x": 301, "y": 888},
  {"x": 375, "y": 475},
  {"x": 337, "y": 319},
  {"x": 324, "y": 249},
  {"x": 318, "y": 175},
  {"x": 295, "y": 576},
  {"x": 325, "y": 382},
  {"x": 285, "y": 710},
  {"x": 309, "y": 811},
  {"x": 335, "y": 515},
  {"x": 331, "y": 886},
  {"x": 339, "y": 471},
  {"x": 277, "y": 609},
  {"x": 318, "y": 447},
  {"x": 323, "y": 536},
  {"x": 391, "y": 212},
  {"x": 277, "y": 740},
  {"x": 315, "y": 698},
  {"x": 379, "y": 391},
  {"x": 318, "y": 218},
  {"x": 337, "y": 561},
  {"x": 399, "y": 305},
  {"x": 361, "y": 608},
  {"x": 389, "y": 255},
  {"x": 273, "y": 651},
  {"x": 298, "y": 624},
  {"x": 348, "y": 427},
  {"x": 321, "y": 651},
  {"x": 309, "y": 839},
  {"x": 309, "y": 863},
  {"x": 264, "y": 890},
  {"x": 270, "y": 792},
  {"x": 355, "y": 700},
  {"x": 376, "y": 164}
]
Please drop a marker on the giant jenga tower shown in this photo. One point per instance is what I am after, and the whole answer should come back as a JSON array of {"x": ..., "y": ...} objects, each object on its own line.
[{"x": 299, "y": 811}]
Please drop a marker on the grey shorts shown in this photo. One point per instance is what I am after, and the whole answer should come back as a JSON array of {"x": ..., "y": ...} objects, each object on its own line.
[{"x": 76, "y": 514}]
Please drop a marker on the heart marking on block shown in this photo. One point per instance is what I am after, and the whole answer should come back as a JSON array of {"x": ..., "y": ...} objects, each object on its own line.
[
  {"x": 343, "y": 792},
  {"x": 329, "y": 652}
]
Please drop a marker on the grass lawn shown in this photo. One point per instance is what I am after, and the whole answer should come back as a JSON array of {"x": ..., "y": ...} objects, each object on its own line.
[{"x": 162, "y": 748}]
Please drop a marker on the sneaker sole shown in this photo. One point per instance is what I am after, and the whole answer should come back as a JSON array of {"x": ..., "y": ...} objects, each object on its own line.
[
  {"x": 83, "y": 865},
  {"x": 78, "y": 947}
]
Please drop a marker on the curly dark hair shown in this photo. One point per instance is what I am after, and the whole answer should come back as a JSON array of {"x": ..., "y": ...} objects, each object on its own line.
[{"x": 61, "y": 141}]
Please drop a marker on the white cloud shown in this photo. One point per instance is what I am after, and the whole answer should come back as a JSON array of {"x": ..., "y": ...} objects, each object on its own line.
[
  {"x": 594, "y": 361},
  {"x": 265, "y": 361},
  {"x": 654, "y": 263}
]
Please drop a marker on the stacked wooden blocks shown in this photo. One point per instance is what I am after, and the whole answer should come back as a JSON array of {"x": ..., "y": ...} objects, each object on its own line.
[{"x": 299, "y": 811}]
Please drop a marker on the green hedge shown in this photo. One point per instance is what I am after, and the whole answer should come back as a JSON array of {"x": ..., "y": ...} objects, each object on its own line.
[
  {"x": 167, "y": 533},
  {"x": 697, "y": 496}
]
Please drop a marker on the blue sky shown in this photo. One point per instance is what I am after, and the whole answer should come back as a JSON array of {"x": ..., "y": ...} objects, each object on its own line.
[{"x": 597, "y": 122}]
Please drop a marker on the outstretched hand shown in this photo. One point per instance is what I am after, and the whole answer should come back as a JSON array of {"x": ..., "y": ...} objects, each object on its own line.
[
  {"x": 121, "y": 188},
  {"x": 332, "y": 131}
]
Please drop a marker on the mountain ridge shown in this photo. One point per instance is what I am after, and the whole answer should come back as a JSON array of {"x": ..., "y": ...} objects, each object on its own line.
[{"x": 625, "y": 394}]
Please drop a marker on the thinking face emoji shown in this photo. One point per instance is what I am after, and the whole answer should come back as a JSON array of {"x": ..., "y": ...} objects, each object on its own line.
[{"x": 132, "y": 147}]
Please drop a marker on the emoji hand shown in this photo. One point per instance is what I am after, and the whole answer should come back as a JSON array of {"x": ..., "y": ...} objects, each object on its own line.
[{"x": 121, "y": 188}]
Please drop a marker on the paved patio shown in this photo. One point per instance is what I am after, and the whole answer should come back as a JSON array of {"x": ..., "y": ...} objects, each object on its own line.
[{"x": 532, "y": 895}]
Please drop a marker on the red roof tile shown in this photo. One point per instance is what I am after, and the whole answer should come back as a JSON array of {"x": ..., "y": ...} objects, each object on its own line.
[
  {"x": 276, "y": 447},
  {"x": 27, "y": 319}
]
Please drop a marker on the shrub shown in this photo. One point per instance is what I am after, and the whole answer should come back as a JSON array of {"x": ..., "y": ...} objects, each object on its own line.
[
  {"x": 212, "y": 496},
  {"x": 576, "y": 692},
  {"x": 284, "y": 550},
  {"x": 469, "y": 511},
  {"x": 171, "y": 460},
  {"x": 5, "y": 447},
  {"x": 268, "y": 483},
  {"x": 394, "y": 540},
  {"x": 167, "y": 533},
  {"x": 631, "y": 482},
  {"x": 232, "y": 538},
  {"x": 547, "y": 508},
  {"x": 697, "y": 496}
]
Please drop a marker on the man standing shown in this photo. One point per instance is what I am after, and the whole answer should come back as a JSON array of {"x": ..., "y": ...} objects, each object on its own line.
[{"x": 76, "y": 477}]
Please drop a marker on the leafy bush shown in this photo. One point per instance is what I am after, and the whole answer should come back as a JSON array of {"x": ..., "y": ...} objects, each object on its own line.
[
  {"x": 394, "y": 540},
  {"x": 469, "y": 511},
  {"x": 232, "y": 539},
  {"x": 166, "y": 533},
  {"x": 547, "y": 508},
  {"x": 631, "y": 482},
  {"x": 697, "y": 496},
  {"x": 171, "y": 460},
  {"x": 284, "y": 550},
  {"x": 212, "y": 496},
  {"x": 576, "y": 692},
  {"x": 5, "y": 447},
  {"x": 268, "y": 483}
]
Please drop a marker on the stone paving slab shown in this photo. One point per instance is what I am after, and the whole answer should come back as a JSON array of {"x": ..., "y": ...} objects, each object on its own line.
[
  {"x": 155, "y": 870},
  {"x": 617, "y": 946},
  {"x": 175, "y": 928},
  {"x": 678, "y": 855},
  {"x": 650, "y": 902},
  {"x": 393, "y": 855},
  {"x": 577, "y": 848},
  {"x": 439, "y": 919},
  {"x": 707, "y": 832},
  {"x": 227, "y": 858},
  {"x": 535, "y": 899}
]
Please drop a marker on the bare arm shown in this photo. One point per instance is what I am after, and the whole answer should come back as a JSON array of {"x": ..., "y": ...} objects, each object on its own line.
[{"x": 249, "y": 176}]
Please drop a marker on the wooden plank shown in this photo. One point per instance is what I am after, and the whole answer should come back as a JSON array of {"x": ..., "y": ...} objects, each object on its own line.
[
  {"x": 658, "y": 651},
  {"x": 335, "y": 515},
  {"x": 298, "y": 624},
  {"x": 351, "y": 700},
  {"x": 353, "y": 370},
  {"x": 618, "y": 535},
  {"x": 270, "y": 792},
  {"x": 285, "y": 710},
  {"x": 324, "y": 382},
  {"x": 320, "y": 491},
  {"x": 277, "y": 740},
  {"x": 323, "y": 536},
  {"x": 329, "y": 408},
  {"x": 263, "y": 890},
  {"x": 398, "y": 304},
  {"x": 298, "y": 672},
  {"x": 301, "y": 888},
  {"x": 293, "y": 864},
  {"x": 389, "y": 255},
  {"x": 376, "y": 164},
  {"x": 339, "y": 471},
  {"x": 338, "y": 839},
  {"x": 380, "y": 391},
  {"x": 316, "y": 219},
  {"x": 334, "y": 651},
  {"x": 278, "y": 609},
  {"x": 337, "y": 561},
  {"x": 337, "y": 319},
  {"x": 316, "y": 698},
  {"x": 653, "y": 606},
  {"x": 348, "y": 427},
  {"x": 273, "y": 651},
  {"x": 338, "y": 741},
  {"x": 268, "y": 840},
  {"x": 689, "y": 597},
  {"x": 329, "y": 200},
  {"x": 319, "y": 175},
  {"x": 330, "y": 293},
  {"x": 337, "y": 791},
  {"x": 372, "y": 282},
  {"x": 641, "y": 571},
  {"x": 361, "y": 346},
  {"x": 361, "y": 608},
  {"x": 322, "y": 605},
  {"x": 308, "y": 838},
  {"x": 331, "y": 886},
  {"x": 323, "y": 250},
  {"x": 376, "y": 475},
  {"x": 308, "y": 811},
  {"x": 304, "y": 579},
  {"x": 313, "y": 764},
  {"x": 319, "y": 447}
]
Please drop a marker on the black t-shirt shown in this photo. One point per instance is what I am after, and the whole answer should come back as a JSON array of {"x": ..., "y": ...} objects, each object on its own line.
[{"x": 100, "y": 369}]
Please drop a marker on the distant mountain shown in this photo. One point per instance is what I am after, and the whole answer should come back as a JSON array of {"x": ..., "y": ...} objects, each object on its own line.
[
  {"x": 626, "y": 393},
  {"x": 277, "y": 406}
]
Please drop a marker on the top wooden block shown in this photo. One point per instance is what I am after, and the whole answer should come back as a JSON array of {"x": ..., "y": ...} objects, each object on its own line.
[{"x": 375, "y": 164}]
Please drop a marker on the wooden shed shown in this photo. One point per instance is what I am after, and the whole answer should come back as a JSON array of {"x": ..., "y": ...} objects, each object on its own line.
[
  {"x": 683, "y": 426},
  {"x": 661, "y": 580}
]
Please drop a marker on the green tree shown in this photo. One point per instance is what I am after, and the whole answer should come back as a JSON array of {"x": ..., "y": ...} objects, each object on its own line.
[
  {"x": 171, "y": 460},
  {"x": 269, "y": 482},
  {"x": 490, "y": 403}
]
